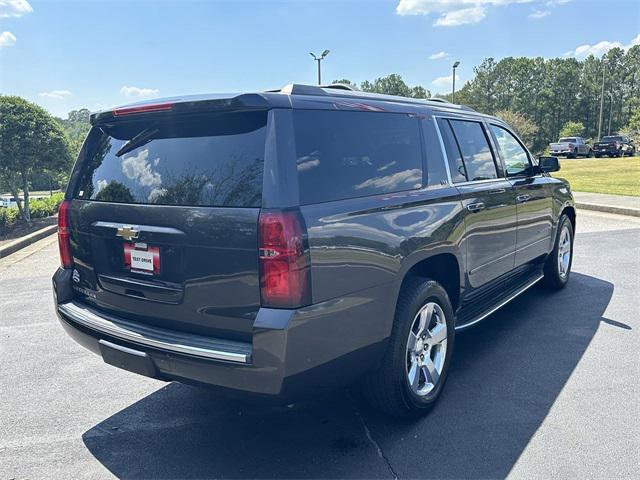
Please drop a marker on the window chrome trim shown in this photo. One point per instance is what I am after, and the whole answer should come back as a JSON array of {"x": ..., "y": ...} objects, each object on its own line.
[
  {"x": 494, "y": 153},
  {"x": 443, "y": 150}
]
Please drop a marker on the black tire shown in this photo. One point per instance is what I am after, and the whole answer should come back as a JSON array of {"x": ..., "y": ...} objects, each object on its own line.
[
  {"x": 553, "y": 279},
  {"x": 598, "y": 156},
  {"x": 387, "y": 388},
  {"x": 573, "y": 154}
]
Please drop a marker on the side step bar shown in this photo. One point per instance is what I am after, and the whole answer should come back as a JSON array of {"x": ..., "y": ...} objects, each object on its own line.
[
  {"x": 167, "y": 340},
  {"x": 501, "y": 304}
]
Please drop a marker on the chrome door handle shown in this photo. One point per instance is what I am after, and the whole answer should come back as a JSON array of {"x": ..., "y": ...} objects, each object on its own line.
[
  {"x": 523, "y": 198},
  {"x": 476, "y": 207}
]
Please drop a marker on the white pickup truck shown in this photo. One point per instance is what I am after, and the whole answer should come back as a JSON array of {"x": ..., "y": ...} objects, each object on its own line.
[{"x": 571, "y": 147}]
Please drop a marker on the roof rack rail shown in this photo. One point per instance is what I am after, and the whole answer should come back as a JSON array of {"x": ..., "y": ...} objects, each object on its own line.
[
  {"x": 340, "y": 86},
  {"x": 342, "y": 90}
]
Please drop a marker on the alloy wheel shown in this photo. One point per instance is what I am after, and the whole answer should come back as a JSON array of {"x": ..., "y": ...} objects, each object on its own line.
[
  {"x": 426, "y": 349},
  {"x": 564, "y": 252}
]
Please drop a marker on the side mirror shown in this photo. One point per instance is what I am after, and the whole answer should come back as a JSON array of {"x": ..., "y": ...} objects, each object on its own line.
[{"x": 548, "y": 164}]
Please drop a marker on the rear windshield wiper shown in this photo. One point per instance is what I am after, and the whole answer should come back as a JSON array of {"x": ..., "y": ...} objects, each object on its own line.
[{"x": 139, "y": 140}]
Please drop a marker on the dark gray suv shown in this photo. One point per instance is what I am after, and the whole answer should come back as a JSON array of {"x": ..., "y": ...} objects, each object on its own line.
[{"x": 283, "y": 242}]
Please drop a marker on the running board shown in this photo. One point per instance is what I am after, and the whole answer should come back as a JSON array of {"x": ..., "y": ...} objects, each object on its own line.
[{"x": 515, "y": 294}]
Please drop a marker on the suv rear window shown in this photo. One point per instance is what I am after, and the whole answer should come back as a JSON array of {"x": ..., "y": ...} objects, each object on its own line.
[
  {"x": 208, "y": 160},
  {"x": 345, "y": 154}
]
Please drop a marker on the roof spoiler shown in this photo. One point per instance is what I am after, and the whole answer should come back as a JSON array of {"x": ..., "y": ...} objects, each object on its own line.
[{"x": 182, "y": 105}]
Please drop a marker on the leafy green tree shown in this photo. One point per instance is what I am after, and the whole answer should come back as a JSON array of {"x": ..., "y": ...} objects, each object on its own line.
[
  {"x": 633, "y": 127},
  {"x": 30, "y": 141},
  {"x": 76, "y": 126},
  {"x": 115, "y": 192},
  {"x": 524, "y": 127},
  {"x": 572, "y": 129}
]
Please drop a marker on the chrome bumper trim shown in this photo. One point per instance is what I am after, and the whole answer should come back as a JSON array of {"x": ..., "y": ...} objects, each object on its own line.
[{"x": 167, "y": 340}]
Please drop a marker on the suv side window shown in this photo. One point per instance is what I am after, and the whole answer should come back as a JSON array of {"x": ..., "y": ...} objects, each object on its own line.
[
  {"x": 474, "y": 147},
  {"x": 513, "y": 153},
  {"x": 454, "y": 157},
  {"x": 347, "y": 154}
]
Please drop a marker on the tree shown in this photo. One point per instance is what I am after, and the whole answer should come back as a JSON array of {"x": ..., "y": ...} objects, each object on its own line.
[
  {"x": 76, "y": 126},
  {"x": 30, "y": 141},
  {"x": 524, "y": 127},
  {"x": 389, "y": 85},
  {"x": 572, "y": 129},
  {"x": 632, "y": 129}
]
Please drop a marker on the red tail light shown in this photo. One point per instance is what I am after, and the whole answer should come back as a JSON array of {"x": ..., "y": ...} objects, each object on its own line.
[
  {"x": 64, "y": 241},
  {"x": 285, "y": 277},
  {"x": 151, "y": 107}
]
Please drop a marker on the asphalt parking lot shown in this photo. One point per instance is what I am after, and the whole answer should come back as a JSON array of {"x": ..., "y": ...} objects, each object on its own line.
[{"x": 546, "y": 387}]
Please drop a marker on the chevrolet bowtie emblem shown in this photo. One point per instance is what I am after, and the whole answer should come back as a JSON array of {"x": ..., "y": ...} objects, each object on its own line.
[{"x": 127, "y": 233}]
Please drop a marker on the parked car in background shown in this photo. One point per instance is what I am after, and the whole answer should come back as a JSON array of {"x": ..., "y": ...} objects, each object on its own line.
[
  {"x": 284, "y": 242},
  {"x": 571, "y": 147},
  {"x": 7, "y": 201},
  {"x": 614, "y": 146}
]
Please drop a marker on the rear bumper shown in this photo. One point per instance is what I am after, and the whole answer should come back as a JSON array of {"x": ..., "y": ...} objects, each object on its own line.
[{"x": 293, "y": 352}]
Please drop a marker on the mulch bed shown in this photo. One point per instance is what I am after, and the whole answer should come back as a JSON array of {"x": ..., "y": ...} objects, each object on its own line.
[{"x": 21, "y": 229}]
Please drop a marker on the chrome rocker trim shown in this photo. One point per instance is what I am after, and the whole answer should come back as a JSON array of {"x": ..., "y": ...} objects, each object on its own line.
[{"x": 501, "y": 304}]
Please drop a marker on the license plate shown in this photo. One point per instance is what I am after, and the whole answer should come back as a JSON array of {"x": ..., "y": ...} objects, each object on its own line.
[{"x": 141, "y": 258}]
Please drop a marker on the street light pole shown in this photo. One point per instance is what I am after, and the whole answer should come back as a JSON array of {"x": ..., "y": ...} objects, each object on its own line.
[
  {"x": 604, "y": 66},
  {"x": 453, "y": 91},
  {"x": 610, "y": 111},
  {"x": 319, "y": 59}
]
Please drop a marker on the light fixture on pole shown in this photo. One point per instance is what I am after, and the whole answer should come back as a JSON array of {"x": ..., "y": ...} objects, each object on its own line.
[
  {"x": 319, "y": 59},
  {"x": 453, "y": 91}
]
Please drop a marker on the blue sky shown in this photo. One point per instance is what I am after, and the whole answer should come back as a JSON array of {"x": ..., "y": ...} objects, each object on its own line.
[{"x": 66, "y": 55}]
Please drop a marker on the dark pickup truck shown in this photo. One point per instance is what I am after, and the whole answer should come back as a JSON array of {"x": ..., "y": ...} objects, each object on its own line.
[
  {"x": 283, "y": 242},
  {"x": 614, "y": 146}
]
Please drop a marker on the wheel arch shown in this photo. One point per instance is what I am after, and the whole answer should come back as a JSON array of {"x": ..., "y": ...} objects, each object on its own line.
[
  {"x": 444, "y": 267},
  {"x": 570, "y": 212}
]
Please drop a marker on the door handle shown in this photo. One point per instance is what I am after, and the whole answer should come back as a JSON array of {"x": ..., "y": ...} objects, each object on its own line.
[
  {"x": 476, "y": 207},
  {"x": 523, "y": 198}
]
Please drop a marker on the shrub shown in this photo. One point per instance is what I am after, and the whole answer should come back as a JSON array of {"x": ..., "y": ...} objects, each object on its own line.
[{"x": 40, "y": 208}]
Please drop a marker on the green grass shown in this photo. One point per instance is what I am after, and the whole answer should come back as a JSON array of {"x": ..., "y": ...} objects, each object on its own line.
[{"x": 619, "y": 176}]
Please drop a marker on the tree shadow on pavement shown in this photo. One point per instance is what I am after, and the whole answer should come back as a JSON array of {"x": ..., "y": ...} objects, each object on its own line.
[{"x": 506, "y": 374}]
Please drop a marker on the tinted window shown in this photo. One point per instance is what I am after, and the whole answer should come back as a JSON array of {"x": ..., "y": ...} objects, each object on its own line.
[
  {"x": 477, "y": 156},
  {"x": 612, "y": 139},
  {"x": 208, "y": 160},
  {"x": 567, "y": 140},
  {"x": 354, "y": 154},
  {"x": 514, "y": 155},
  {"x": 456, "y": 166}
]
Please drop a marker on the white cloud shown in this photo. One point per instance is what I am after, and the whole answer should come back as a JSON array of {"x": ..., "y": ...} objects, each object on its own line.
[
  {"x": 7, "y": 39},
  {"x": 138, "y": 92},
  {"x": 439, "y": 56},
  {"x": 138, "y": 168},
  {"x": 452, "y": 12},
  {"x": 57, "y": 94},
  {"x": 538, "y": 14},
  {"x": 14, "y": 8},
  {"x": 465, "y": 16},
  {"x": 600, "y": 48},
  {"x": 442, "y": 82}
]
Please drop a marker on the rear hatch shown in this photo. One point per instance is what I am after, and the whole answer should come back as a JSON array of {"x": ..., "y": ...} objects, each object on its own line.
[{"x": 164, "y": 220}]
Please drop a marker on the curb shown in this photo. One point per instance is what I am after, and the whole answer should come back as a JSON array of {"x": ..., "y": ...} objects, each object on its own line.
[
  {"x": 633, "y": 212},
  {"x": 27, "y": 240}
]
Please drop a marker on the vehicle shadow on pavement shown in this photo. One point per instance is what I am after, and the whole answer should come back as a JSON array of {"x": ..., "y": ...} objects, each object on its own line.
[{"x": 506, "y": 374}]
